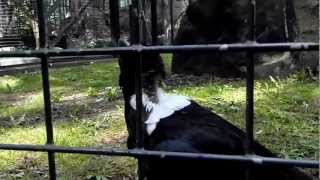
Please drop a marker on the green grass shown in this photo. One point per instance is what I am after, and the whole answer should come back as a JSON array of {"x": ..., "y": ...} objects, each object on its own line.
[
  {"x": 99, "y": 131},
  {"x": 286, "y": 114},
  {"x": 64, "y": 82},
  {"x": 73, "y": 79},
  {"x": 286, "y": 118}
]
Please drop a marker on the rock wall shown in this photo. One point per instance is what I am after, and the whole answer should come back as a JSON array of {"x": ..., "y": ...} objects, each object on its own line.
[
  {"x": 307, "y": 13},
  {"x": 227, "y": 21}
]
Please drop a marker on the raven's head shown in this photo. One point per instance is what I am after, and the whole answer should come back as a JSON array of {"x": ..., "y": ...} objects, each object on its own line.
[{"x": 152, "y": 73}]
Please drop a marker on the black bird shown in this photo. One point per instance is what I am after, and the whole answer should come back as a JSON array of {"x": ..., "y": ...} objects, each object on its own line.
[{"x": 177, "y": 124}]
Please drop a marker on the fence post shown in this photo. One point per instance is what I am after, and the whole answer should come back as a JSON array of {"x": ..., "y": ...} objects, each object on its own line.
[
  {"x": 114, "y": 21},
  {"x": 46, "y": 86},
  {"x": 154, "y": 21},
  {"x": 137, "y": 27},
  {"x": 171, "y": 22},
  {"x": 250, "y": 90}
]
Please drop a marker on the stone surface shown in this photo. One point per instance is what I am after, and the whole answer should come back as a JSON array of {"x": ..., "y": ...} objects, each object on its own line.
[
  {"x": 227, "y": 21},
  {"x": 308, "y": 21}
]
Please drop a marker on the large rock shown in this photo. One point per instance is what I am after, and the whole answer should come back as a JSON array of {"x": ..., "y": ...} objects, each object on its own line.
[
  {"x": 308, "y": 21},
  {"x": 228, "y": 21}
]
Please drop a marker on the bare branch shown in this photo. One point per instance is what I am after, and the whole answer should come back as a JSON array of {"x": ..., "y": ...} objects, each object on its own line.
[
  {"x": 67, "y": 27},
  {"x": 53, "y": 7}
]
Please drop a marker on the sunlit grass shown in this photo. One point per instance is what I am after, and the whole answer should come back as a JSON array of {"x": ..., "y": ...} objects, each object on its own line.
[
  {"x": 20, "y": 83},
  {"x": 76, "y": 78},
  {"x": 27, "y": 104},
  {"x": 286, "y": 117},
  {"x": 7, "y": 83},
  {"x": 96, "y": 132},
  {"x": 286, "y": 113},
  {"x": 19, "y": 135}
]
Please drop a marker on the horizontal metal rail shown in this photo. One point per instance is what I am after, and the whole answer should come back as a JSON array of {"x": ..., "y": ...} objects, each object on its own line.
[
  {"x": 33, "y": 67},
  {"x": 139, "y": 153},
  {"x": 209, "y": 48},
  {"x": 8, "y": 63}
]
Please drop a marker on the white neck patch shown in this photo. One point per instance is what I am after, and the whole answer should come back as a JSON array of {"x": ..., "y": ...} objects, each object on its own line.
[{"x": 166, "y": 106}]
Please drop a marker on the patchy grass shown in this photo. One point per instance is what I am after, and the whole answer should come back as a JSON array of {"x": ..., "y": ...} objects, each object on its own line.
[
  {"x": 102, "y": 130},
  {"x": 25, "y": 90},
  {"x": 73, "y": 79},
  {"x": 87, "y": 112},
  {"x": 286, "y": 111}
]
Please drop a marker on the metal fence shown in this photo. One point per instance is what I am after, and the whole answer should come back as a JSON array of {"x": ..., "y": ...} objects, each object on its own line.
[{"x": 137, "y": 38}]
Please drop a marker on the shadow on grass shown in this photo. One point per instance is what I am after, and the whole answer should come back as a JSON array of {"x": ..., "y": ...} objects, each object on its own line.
[
  {"x": 21, "y": 101},
  {"x": 94, "y": 75},
  {"x": 98, "y": 126}
]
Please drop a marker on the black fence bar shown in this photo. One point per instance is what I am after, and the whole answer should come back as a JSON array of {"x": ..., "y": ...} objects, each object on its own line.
[
  {"x": 209, "y": 48},
  {"x": 140, "y": 113},
  {"x": 249, "y": 120},
  {"x": 154, "y": 22},
  {"x": 171, "y": 21},
  {"x": 140, "y": 126},
  {"x": 114, "y": 21},
  {"x": 134, "y": 25},
  {"x": 257, "y": 160},
  {"x": 139, "y": 6},
  {"x": 46, "y": 86},
  {"x": 48, "y": 114},
  {"x": 142, "y": 22}
]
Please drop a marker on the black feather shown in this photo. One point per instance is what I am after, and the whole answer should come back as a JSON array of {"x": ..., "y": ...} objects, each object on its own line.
[{"x": 192, "y": 129}]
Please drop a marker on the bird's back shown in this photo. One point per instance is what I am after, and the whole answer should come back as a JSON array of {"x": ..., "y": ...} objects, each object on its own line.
[{"x": 198, "y": 130}]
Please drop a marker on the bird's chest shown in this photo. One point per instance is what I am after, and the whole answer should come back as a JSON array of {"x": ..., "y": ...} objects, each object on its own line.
[{"x": 166, "y": 106}]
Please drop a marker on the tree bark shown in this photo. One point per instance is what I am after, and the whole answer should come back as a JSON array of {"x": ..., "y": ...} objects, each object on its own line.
[
  {"x": 228, "y": 21},
  {"x": 67, "y": 27},
  {"x": 35, "y": 29}
]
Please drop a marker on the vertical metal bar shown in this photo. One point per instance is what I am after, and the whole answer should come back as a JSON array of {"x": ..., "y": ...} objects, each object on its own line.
[
  {"x": 138, "y": 90},
  {"x": 142, "y": 22},
  {"x": 253, "y": 20},
  {"x": 250, "y": 110},
  {"x": 142, "y": 38},
  {"x": 136, "y": 37},
  {"x": 134, "y": 23},
  {"x": 46, "y": 87},
  {"x": 171, "y": 22},
  {"x": 163, "y": 17},
  {"x": 114, "y": 21},
  {"x": 42, "y": 24},
  {"x": 250, "y": 83},
  {"x": 48, "y": 115},
  {"x": 250, "y": 90},
  {"x": 139, "y": 121},
  {"x": 154, "y": 21}
]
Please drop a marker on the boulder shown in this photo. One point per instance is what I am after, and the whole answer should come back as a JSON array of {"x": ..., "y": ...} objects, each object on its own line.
[
  {"x": 308, "y": 22},
  {"x": 228, "y": 21}
]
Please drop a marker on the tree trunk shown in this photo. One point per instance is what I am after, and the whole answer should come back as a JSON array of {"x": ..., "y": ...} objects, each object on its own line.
[
  {"x": 35, "y": 29},
  {"x": 74, "y": 19}
]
